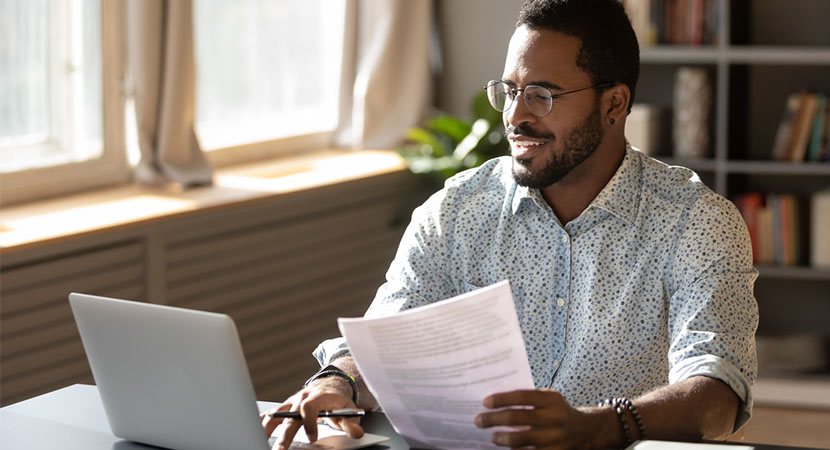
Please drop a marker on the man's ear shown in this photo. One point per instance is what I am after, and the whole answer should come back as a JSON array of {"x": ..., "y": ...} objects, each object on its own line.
[{"x": 615, "y": 103}]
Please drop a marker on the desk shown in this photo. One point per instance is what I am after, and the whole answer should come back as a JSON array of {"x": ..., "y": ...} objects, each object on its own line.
[{"x": 73, "y": 418}]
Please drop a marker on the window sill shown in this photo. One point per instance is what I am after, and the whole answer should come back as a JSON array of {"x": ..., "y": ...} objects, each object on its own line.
[{"x": 38, "y": 223}]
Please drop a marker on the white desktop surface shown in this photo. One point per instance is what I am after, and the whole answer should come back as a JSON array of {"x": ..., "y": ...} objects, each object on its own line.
[
  {"x": 67, "y": 419},
  {"x": 73, "y": 418}
]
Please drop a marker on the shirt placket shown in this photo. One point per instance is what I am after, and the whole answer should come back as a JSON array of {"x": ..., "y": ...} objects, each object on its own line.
[{"x": 561, "y": 299}]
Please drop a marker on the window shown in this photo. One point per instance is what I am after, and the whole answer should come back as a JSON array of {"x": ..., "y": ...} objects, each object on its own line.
[
  {"x": 266, "y": 70},
  {"x": 51, "y": 99},
  {"x": 52, "y": 105},
  {"x": 268, "y": 81}
]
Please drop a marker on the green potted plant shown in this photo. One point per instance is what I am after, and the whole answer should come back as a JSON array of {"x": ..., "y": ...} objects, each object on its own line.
[{"x": 446, "y": 145}]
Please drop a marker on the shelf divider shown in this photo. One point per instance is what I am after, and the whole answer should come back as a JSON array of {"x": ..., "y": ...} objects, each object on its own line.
[
  {"x": 793, "y": 272},
  {"x": 778, "y": 168}
]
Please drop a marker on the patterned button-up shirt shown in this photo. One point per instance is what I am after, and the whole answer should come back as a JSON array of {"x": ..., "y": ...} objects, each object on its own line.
[{"x": 650, "y": 285}]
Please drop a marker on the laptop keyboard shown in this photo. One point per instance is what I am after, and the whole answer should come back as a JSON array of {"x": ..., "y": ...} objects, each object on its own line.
[{"x": 297, "y": 445}]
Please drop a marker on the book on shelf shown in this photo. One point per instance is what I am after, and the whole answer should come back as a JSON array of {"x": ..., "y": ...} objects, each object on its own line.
[
  {"x": 749, "y": 204},
  {"x": 766, "y": 252},
  {"x": 820, "y": 229},
  {"x": 678, "y": 22},
  {"x": 824, "y": 153},
  {"x": 773, "y": 224},
  {"x": 817, "y": 132},
  {"x": 782, "y": 136},
  {"x": 795, "y": 234},
  {"x": 774, "y": 235},
  {"x": 802, "y": 125},
  {"x": 802, "y": 133}
]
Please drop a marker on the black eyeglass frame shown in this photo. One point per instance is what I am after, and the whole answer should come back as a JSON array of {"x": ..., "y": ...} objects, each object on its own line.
[{"x": 515, "y": 91}]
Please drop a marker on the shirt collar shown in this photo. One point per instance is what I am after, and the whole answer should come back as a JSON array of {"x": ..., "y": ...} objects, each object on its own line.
[
  {"x": 525, "y": 194},
  {"x": 620, "y": 197}
]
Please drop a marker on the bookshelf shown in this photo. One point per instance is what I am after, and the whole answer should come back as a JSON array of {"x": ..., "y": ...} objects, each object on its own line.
[{"x": 764, "y": 51}]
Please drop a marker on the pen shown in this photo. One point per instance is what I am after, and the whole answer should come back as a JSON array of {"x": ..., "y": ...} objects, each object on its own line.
[{"x": 332, "y": 413}]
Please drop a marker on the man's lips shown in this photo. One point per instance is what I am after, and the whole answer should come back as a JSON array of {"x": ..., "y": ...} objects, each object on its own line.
[{"x": 521, "y": 148}]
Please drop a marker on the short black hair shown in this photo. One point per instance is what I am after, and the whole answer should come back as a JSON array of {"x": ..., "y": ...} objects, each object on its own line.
[{"x": 609, "y": 52}]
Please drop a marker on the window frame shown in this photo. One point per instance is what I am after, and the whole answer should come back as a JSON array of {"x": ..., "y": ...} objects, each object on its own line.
[
  {"x": 291, "y": 145},
  {"x": 112, "y": 167},
  {"x": 262, "y": 150}
]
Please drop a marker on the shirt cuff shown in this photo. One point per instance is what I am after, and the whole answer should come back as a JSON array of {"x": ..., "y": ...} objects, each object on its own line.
[
  {"x": 715, "y": 367},
  {"x": 329, "y": 350}
]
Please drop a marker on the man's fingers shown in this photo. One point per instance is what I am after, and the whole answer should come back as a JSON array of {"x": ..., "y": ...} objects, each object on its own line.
[
  {"x": 309, "y": 410},
  {"x": 308, "y": 403},
  {"x": 523, "y": 397},
  {"x": 271, "y": 423},
  {"x": 517, "y": 417},
  {"x": 351, "y": 427},
  {"x": 286, "y": 431},
  {"x": 528, "y": 438}
]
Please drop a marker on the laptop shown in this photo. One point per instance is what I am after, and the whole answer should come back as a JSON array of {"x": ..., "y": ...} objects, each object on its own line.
[{"x": 176, "y": 378}]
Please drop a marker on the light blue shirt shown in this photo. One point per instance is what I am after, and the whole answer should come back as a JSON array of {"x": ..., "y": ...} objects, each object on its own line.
[{"x": 650, "y": 285}]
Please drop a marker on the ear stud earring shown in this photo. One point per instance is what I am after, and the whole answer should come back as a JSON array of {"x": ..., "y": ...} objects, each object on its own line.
[{"x": 612, "y": 121}]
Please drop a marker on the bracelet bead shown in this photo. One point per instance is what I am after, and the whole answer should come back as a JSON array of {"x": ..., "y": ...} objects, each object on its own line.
[
  {"x": 619, "y": 405},
  {"x": 636, "y": 415}
]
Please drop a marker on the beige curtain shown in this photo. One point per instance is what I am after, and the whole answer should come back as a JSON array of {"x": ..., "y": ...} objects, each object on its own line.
[
  {"x": 387, "y": 88},
  {"x": 160, "y": 52}
]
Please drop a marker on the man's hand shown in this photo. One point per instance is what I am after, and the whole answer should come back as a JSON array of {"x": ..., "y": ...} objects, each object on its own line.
[
  {"x": 543, "y": 419},
  {"x": 323, "y": 394}
]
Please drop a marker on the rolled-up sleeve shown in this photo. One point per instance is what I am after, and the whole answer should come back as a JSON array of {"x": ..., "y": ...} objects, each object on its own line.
[
  {"x": 329, "y": 350},
  {"x": 713, "y": 315}
]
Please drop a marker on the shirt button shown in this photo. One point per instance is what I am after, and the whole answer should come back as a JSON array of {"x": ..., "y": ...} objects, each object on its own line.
[
  {"x": 564, "y": 238},
  {"x": 560, "y": 301},
  {"x": 555, "y": 362}
]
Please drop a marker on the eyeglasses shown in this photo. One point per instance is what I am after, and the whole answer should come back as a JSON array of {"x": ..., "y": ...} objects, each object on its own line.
[{"x": 538, "y": 99}]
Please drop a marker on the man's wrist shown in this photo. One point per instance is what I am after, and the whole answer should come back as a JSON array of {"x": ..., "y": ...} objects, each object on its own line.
[
  {"x": 334, "y": 372},
  {"x": 604, "y": 428},
  {"x": 334, "y": 383}
]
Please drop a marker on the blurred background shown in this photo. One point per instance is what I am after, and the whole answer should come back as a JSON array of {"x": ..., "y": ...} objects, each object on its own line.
[{"x": 261, "y": 157}]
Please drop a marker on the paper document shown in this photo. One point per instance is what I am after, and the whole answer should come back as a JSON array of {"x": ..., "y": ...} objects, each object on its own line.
[
  {"x": 665, "y": 445},
  {"x": 330, "y": 439},
  {"x": 431, "y": 367}
]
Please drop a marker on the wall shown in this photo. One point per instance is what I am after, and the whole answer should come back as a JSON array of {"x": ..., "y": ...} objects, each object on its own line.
[{"x": 474, "y": 34}]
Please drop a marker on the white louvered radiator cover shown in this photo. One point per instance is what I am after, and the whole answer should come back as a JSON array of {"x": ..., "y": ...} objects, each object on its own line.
[{"x": 284, "y": 269}]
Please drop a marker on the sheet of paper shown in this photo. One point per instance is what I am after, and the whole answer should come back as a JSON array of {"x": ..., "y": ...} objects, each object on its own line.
[
  {"x": 431, "y": 367},
  {"x": 665, "y": 445},
  {"x": 330, "y": 439}
]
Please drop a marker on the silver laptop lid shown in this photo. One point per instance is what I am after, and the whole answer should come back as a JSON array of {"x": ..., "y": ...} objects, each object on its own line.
[{"x": 168, "y": 376}]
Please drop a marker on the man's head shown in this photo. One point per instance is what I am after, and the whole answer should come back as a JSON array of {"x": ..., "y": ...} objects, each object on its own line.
[
  {"x": 584, "y": 54},
  {"x": 609, "y": 52}
]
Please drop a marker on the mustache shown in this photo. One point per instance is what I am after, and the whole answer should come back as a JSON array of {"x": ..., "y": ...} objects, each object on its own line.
[{"x": 525, "y": 130}]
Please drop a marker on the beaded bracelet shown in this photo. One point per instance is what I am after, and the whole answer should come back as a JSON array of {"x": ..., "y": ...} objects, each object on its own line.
[
  {"x": 616, "y": 405},
  {"x": 636, "y": 415}
]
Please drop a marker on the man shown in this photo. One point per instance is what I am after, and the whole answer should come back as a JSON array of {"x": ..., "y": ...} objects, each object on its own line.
[{"x": 631, "y": 278}]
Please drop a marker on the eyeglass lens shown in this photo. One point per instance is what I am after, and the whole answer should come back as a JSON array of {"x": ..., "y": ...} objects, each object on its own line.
[{"x": 537, "y": 99}]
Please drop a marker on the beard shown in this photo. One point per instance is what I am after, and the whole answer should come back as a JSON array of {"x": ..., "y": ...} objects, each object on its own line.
[{"x": 579, "y": 145}]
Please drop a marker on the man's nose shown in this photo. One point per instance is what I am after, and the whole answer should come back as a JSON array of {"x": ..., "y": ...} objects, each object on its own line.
[{"x": 518, "y": 112}]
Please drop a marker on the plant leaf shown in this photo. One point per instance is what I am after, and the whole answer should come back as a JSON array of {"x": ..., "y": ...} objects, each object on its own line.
[
  {"x": 426, "y": 164},
  {"x": 481, "y": 127},
  {"x": 482, "y": 109},
  {"x": 451, "y": 126},
  {"x": 424, "y": 137}
]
